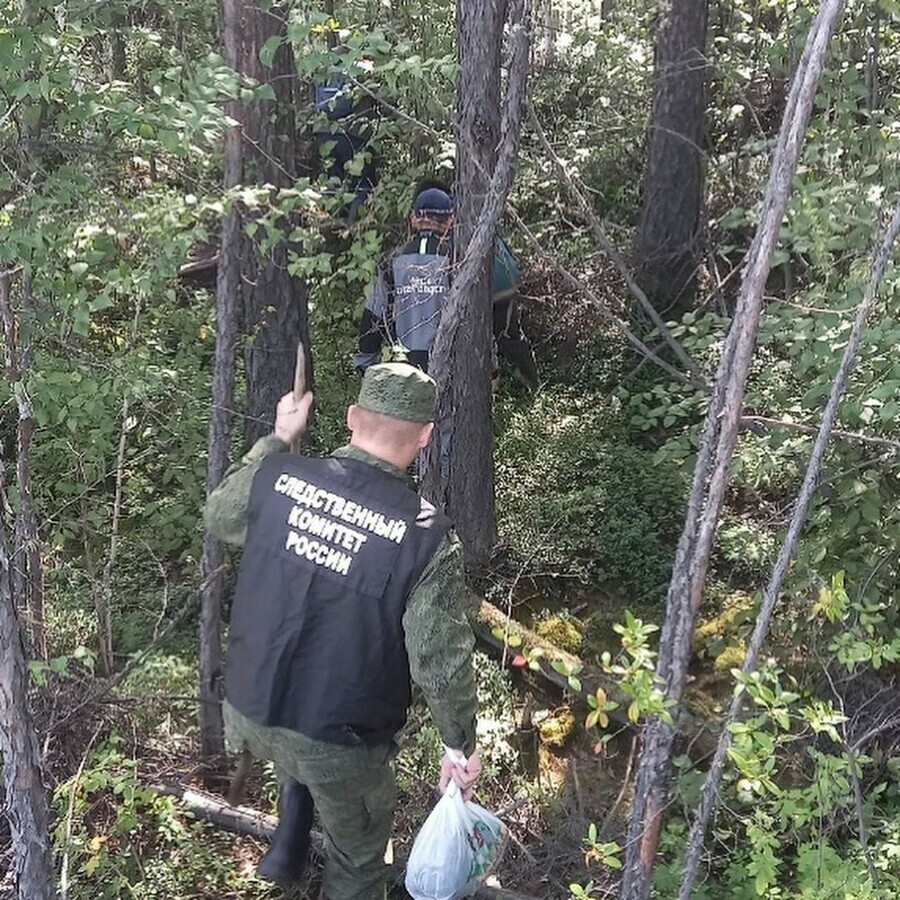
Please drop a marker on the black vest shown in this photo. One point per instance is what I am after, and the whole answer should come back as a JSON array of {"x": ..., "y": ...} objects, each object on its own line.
[{"x": 334, "y": 547}]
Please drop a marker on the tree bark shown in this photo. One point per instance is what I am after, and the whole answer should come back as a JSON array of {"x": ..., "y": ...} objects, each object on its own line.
[
  {"x": 873, "y": 86},
  {"x": 26, "y": 807},
  {"x": 710, "y": 791},
  {"x": 27, "y": 570},
  {"x": 720, "y": 431},
  {"x": 274, "y": 310},
  {"x": 461, "y": 358},
  {"x": 228, "y": 286},
  {"x": 666, "y": 246}
]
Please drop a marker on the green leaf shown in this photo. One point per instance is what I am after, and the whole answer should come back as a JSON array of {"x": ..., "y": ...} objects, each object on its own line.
[{"x": 269, "y": 49}]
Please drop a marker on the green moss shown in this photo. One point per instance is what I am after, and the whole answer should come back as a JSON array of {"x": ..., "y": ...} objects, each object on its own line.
[
  {"x": 701, "y": 703},
  {"x": 561, "y": 631},
  {"x": 715, "y": 631},
  {"x": 731, "y": 657},
  {"x": 556, "y": 729}
]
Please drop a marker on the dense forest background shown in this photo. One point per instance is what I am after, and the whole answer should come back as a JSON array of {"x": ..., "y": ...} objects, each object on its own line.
[{"x": 131, "y": 216}]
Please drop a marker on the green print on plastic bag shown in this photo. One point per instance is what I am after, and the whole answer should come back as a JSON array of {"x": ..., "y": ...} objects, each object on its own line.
[{"x": 484, "y": 845}]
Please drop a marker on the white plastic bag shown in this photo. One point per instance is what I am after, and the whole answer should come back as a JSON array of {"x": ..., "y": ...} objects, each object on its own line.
[{"x": 456, "y": 848}]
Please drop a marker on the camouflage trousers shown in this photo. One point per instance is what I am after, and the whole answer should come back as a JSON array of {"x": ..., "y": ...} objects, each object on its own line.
[{"x": 354, "y": 792}]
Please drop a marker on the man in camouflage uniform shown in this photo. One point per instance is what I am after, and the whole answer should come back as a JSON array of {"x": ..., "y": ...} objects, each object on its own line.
[{"x": 350, "y": 584}]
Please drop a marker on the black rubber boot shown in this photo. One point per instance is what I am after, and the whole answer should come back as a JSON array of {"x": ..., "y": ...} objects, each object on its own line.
[{"x": 286, "y": 858}]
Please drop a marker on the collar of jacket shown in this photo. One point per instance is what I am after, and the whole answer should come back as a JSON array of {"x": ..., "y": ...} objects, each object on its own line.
[{"x": 350, "y": 452}]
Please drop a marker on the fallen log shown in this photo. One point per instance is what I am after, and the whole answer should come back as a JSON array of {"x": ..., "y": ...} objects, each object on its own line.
[
  {"x": 700, "y": 735},
  {"x": 218, "y": 811},
  {"x": 248, "y": 821}
]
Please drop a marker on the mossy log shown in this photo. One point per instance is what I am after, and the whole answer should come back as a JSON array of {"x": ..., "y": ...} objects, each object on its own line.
[
  {"x": 245, "y": 820},
  {"x": 700, "y": 735}
]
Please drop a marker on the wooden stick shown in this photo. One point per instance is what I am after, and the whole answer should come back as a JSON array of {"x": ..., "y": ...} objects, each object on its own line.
[
  {"x": 299, "y": 384},
  {"x": 239, "y": 779}
]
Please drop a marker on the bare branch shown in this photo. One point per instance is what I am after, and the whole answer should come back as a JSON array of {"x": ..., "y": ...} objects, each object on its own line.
[
  {"x": 573, "y": 282},
  {"x": 811, "y": 429}
]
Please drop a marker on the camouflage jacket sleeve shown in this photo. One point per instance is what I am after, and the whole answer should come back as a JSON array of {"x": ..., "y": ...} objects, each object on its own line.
[
  {"x": 439, "y": 643},
  {"x": 226, "y": 507}
]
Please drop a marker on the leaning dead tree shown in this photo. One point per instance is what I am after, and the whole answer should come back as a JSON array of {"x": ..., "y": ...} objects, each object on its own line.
[
  {"x": 710, "y": 792},
  {"x": 26, "y": 807},
  {"x": 720, "y": 431},
  {"x": 460, "y": 359}
]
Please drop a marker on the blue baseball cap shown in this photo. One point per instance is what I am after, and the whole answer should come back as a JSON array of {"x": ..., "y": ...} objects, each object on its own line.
[{"x": 433, "y": 202}]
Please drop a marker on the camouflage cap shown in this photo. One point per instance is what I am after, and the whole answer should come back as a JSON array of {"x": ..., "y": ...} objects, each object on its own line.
[{"x": 398, "y": 390}]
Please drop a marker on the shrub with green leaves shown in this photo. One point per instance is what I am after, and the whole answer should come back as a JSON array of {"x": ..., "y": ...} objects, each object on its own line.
[{"x": 576, "y": 498}]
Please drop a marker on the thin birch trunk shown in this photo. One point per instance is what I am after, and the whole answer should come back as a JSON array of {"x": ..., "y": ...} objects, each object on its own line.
[
  {"x": 27, "y": 569},
  {"x": 220, "y": 422}
]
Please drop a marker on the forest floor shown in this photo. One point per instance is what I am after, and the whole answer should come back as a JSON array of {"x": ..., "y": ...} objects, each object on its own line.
[{"x": 545, "y": 775}]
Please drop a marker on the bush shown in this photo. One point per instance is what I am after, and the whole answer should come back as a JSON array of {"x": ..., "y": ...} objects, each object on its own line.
[{"x": 575, "y": 498}]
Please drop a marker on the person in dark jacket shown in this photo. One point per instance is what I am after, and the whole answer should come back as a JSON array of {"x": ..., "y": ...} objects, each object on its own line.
[
  {"x": 404, "y": 303},
  {"x": 344, "y": 135},
  {"x": 350, "y": 586}
]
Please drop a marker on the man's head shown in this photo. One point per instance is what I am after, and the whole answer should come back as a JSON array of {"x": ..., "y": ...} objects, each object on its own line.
[
  {"x": 393, "y": 416},
  {"x": 433, "y": 210}
]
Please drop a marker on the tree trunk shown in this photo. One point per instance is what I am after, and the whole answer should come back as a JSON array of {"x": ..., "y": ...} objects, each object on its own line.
[
  {"x": 459, "y": 474},
  {"x": 717, "y": 444},
  {"x": 255, "y": 283},
  {"x": 470, "y": 488},
  {"x": 26, "y": 806},
  {"x": 228, "y": 286},
  {"x": 26, "y": 569},
  {"x": 666, "y": 246},
  {"x": 274, "y": 307},
  {"x": 873, "y": 87}
]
